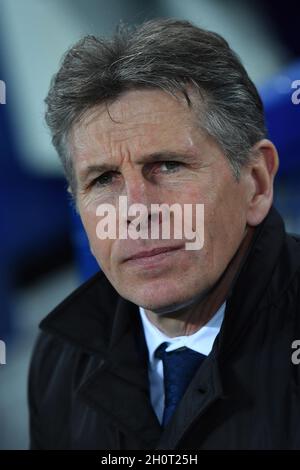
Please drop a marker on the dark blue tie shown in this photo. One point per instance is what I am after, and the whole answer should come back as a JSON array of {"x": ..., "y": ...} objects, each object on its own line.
[{"x": 179, "y": 366}]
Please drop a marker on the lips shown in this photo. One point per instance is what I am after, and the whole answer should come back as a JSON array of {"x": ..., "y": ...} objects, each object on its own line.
[{"x": 153, "y": 252}]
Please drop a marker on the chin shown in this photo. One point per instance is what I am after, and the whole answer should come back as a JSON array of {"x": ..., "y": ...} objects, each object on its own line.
[
  {"x": 164, "y": 302},
  {"x": 151, "y": 300},
  {"x": 162, "y": 295}
]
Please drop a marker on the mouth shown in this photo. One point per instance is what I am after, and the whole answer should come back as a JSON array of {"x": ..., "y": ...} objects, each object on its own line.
[{"x": 154, "y": 256}]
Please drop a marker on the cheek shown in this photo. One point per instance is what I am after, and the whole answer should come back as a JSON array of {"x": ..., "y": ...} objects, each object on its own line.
[
  {"x": 101, "y": 249},
  {"x": 89, "y": 202},
  {"x": 224, "y": 223},
  {"x": 89, "y": 221}
]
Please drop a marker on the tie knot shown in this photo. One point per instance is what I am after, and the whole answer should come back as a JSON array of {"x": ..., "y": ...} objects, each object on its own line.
[
  {"x": 160, "y": 352},
  {"x": 182, "y": 353}
]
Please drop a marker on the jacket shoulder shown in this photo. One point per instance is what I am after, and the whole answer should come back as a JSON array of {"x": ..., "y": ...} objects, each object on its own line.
[
  {"x": 85, "y": 317},
  {"x": 62, "y": 357}
]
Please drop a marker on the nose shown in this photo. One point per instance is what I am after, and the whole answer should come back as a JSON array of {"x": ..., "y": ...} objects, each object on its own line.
[{"x": 139, "y": 190}]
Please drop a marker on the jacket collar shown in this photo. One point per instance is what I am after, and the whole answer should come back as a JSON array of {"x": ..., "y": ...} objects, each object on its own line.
[
  {"x": 252, "y": 290},
  {"x": 120, "y": 385},
  {"x": 86, "y": 317}
]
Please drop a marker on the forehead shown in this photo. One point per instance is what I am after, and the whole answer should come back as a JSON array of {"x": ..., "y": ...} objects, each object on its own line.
[
  {"x": 138, "y": 117},
  {"x": 140, "y": 106}
]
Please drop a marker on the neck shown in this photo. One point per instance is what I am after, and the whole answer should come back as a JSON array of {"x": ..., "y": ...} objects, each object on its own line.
[{"x": 189, "y": 319}]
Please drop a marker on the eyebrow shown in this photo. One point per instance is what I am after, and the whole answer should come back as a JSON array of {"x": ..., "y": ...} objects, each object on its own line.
[{"x": 85, "y": 173}]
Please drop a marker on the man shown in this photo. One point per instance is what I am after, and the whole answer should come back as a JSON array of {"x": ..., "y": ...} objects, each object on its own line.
[{"x": 169, "y": 347}]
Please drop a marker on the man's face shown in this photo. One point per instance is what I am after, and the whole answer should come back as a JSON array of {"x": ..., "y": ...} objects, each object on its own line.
[{"x": 153, "y": 151}]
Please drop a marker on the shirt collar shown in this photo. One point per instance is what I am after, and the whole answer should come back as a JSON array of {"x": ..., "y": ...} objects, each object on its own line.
[{"x": 200, "y": 341}]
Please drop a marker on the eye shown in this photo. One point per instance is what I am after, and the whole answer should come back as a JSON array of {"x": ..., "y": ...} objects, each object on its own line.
[
  {"x": 104, "y": 179},
  {"x": 170, "y": 166}
]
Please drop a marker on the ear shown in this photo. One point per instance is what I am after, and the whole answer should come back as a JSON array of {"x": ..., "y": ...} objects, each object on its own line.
[{"x": 261, "y": 172}]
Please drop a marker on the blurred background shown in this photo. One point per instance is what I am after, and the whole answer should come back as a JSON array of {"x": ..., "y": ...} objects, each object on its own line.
[{"x": 43, "y": 250}]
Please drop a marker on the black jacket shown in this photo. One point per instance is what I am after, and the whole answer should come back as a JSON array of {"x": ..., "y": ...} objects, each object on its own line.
[{"x": 88, "y": 386}]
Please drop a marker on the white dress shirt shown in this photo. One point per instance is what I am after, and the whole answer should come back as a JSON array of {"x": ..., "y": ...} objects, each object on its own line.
[{"x": 201, "y": 341}]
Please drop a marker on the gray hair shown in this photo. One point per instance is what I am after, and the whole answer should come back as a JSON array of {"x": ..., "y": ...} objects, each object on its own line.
[{"x": 166, "y": 54}]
